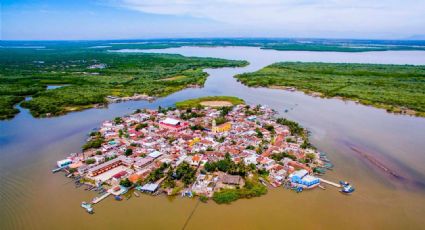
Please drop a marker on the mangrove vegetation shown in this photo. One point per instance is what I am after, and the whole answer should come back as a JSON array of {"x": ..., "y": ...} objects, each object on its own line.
[{"x": 397, "y": 88}]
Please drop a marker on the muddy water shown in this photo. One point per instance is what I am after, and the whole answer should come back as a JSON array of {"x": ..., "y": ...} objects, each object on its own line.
[{"x": 33, "y": 198}]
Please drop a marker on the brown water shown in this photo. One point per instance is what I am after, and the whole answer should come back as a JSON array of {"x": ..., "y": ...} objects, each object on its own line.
[{"x": 31, "y": 197}]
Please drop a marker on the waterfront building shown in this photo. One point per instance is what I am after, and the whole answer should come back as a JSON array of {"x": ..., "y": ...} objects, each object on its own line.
[
  {"x": 149, "y": 188},
  {"x": 63, "y": 163},
  {"x": 302, "y": 178}
]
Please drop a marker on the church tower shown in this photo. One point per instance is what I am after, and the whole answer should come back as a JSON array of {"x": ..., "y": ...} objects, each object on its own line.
[{"x": 214, "y": 126}]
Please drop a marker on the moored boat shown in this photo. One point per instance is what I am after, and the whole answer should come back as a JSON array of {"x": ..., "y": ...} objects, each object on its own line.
[
  {"x": 88, "y": 207},
  {"x": 347, "y": 189}
]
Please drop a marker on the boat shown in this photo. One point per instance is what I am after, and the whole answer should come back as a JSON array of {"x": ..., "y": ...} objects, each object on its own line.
[
  {"x": 322, "y": 187},
  {"x": 88, "y": 207},
  {"x": 347, "y": 189},
  {"x": 56, "y": 170},
  {"x": 187, "y": 193},
  {"x": 262, "y": 181},
  {"x": 299, "y": 189},
  {"x": 344, "y": 183},
  {"x": 118, "y": 198},
  {"x": 136, "y": 194},
  {"x": 328, "y": 166}
]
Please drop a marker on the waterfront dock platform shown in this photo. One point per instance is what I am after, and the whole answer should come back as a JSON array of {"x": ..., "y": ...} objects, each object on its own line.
[
  {"x": 98, "y": 199},
  {"x": 330, "y": 183}
]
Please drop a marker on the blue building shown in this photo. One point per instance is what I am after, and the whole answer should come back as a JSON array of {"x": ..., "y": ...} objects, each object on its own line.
[
  {"x": 63, "y": 163},
  {"x": 302, "y": 178}
]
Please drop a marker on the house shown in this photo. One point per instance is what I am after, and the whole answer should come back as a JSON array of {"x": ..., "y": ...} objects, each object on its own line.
[
  {"x": 232, "y": 180},
  {"x": 143, "y": 162},
  {"x": 194, "y": 160},
  {"x": 149, "y": 188},
  {"x": 252, "y": 159},
  {"x": 154, "y": 154}
]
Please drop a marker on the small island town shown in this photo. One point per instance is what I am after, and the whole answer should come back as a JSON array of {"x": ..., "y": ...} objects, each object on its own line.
[{"x": 213, "y": 150}]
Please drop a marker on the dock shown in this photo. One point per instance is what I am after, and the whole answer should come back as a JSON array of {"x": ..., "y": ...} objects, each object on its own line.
[
  {"x": 98, "y": 199},
  {"x": 330, "y": 183},
  {"x": 56, "y": 170}
]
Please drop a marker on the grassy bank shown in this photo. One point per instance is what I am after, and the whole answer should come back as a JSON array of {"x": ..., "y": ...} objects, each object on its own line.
[
  {"x": 250, "y": 190},
  {"x": 193, "y": 103},
  {"x": 397, "y": 88},
  {"x": 90, "y": 75}
]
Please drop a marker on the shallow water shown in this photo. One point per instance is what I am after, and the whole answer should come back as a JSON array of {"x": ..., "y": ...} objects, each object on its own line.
[{"x": 32, "y": 198}]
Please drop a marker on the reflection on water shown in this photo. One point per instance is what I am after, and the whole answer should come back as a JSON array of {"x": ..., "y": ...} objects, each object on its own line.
[{"x": 31, "y": 197}]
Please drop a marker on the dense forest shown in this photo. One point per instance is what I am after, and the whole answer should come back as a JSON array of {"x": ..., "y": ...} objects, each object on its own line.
[
  {"x": 89, "y": 75},
  {"x": 397, "y": 88}
]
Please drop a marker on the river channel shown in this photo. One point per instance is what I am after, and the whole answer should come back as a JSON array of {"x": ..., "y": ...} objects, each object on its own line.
[{"x": 382, "y": 154}]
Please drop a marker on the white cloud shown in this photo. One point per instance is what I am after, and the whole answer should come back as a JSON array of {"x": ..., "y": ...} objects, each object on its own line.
[{"x": 336, "y": 16}]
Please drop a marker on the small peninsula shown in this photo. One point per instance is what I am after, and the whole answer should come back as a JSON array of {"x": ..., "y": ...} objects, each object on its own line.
[
  {"x": 396, "y": 88},
  {"x": 201, "y": 148}
]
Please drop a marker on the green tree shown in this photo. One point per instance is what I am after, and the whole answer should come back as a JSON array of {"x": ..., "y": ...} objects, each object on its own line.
[
  {"x": 126, "y": 183},
  {"x": 128, "y": 152}
]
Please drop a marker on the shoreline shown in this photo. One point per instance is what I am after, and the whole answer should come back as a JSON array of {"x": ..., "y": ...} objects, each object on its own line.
[{"x": 388, "y": 108}]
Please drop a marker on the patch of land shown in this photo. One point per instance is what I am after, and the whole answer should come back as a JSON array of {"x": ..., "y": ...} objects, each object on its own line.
[
  {"x": 212, "y": 101},
  {"x": 90, "y": 76},
  {"x": 396, "y": 88}
]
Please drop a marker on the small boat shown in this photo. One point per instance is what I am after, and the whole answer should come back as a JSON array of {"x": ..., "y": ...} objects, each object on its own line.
[
  {"x": 118, "y": 198},
  {"x": 136, "y": 194},
  {"x": 344, "y": 183},
  {"x": 88, "y": 207},
  {"x": 322, "y": 187},
  {"x": 187, "y": 194},
  {"x": 262, "y": 181},
  {"x": 347, "y": 189},
  {"x": 56, "y": 170}
]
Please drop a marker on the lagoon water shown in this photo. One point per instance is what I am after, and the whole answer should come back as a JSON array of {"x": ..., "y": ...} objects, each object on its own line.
[{"x": 31, "y": 197}]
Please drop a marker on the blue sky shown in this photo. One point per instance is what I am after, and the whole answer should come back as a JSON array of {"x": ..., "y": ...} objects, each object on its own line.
[{"x": 132, "y": 19}]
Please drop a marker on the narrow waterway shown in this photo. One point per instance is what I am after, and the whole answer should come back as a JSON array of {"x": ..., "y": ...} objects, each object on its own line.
[{"x": 33, "y": 198}]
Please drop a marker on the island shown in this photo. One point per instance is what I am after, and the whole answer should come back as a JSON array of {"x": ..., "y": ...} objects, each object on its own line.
[
  {"x": 215, "y": 148},
  {"x": 396, "y": 88}
]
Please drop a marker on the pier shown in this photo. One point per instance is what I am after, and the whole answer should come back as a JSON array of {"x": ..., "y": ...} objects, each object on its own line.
[
  {"x": 330, "y": 183},
  {"x": 98, "y": 199}
]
